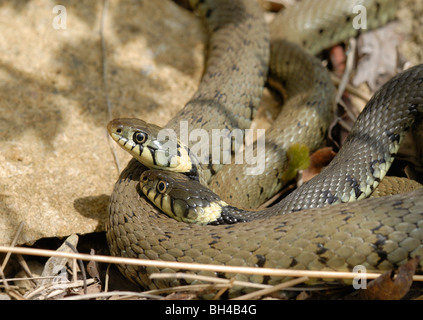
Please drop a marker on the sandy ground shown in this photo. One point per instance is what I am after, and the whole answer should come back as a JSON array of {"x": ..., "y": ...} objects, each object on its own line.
[{"x": 56, "y": 166}]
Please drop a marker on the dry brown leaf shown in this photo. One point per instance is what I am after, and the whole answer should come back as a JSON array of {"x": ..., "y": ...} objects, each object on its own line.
[
  {"x": 303, "y": 295},
  {"x": 378, "y": 56},
  {"x": 318, "y": 160},
  {"x": 55, "y": 266},
  {"x": 91, "y": 289},
  {"x": 92, "y": 268},
  {"x": 386, "y": 287}
]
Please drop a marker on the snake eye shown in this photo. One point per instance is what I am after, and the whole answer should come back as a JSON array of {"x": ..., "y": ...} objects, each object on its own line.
[
  {"x": 140, "y": 137},
  {"x": 161, "y": 186}
]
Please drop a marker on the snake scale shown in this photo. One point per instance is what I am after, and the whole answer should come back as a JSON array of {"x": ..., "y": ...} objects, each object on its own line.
[{"x": 376, "y": 233}]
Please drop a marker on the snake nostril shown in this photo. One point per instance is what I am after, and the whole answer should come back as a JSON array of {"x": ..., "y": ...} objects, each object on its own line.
[{"x": 118, "y": 130}]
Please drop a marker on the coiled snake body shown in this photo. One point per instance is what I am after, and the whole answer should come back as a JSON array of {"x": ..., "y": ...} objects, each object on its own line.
[{"x": 376, "y": 233}]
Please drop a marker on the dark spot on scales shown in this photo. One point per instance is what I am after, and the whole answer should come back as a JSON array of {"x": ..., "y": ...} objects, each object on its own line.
[
  {"x": 355, "y": 185},
  {"x": 209, "y": 12},
  {"x": 393, "y": 137},
  {"x": 280, "y": 227},
  {"x": 220, "y": 274},
  {"x": 261, "y": 260},
  {"x": 377, "y": 6},
  {"x": 376, "y": 228},
  {"x": 378, "y": 247},
  {"x": 321, "y": 249},
  {"x": 153, "y": 153},
  {"x": 347, "y": 218},
  {"x": 252, "y": 107},
  {"x": 322, "y": 260},
  {"x": 329, "y": 197}
]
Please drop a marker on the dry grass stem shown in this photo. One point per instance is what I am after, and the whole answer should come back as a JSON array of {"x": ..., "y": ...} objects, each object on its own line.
[
  {"x": 188, "y": 276},
  {"x": 351, "y": 89},
  {"x": 120, "y": 294},
  {"x": 281, "y": 286},
  {"x": 194, "y": 266},
  {"x": 348, "y": 68}
]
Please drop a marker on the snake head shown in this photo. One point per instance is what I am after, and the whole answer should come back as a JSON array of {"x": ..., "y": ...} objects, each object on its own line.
[
  {"x": 180, "y": 197},
  {"x": 153, "y": 146}
]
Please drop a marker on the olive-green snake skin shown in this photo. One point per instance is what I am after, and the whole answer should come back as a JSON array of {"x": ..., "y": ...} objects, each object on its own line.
[{"x": 376, "y": 233}]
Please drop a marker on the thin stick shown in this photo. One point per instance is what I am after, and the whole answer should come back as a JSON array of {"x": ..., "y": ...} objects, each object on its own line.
[
  {"x": 4, "y": 280},
  {"x": 105, "y": 83},
  {"x": 26, "y": 269},
  {"x": 81, "y": 267},
  {"x": 277, "y": 196},
  {"x": 195, "y": 266},
  {"x": 112, "y": 147},
  {"x": 345, "y": 77},
  {"x": 351, "y": 89},
  {"x": 57, "y": 287},
  {"x": 7, "y": 257},
  {"x": 106, "y": 279},
  {"x": 15, "y": 239},
  {"x": 111, "y": 294},
  {"x": 185, "y": 288},
  {"x": 267, "y": 291},
  {"x": 28, "y": 278},
  {"x": 103, "y": 57},
  {"x": 180, "y": 275},
  {"x": 223, "y": 290}
]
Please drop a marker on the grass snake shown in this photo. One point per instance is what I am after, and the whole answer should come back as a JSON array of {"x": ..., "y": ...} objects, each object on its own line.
[{"x": 377, "y": 233}]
